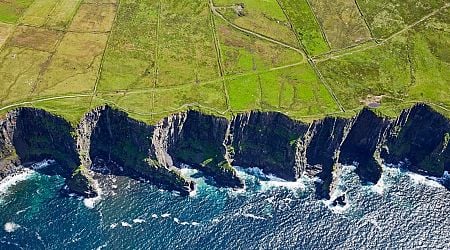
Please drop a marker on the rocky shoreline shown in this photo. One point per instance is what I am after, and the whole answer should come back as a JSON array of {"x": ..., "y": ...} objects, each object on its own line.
[{"x": 418, "y": 138}]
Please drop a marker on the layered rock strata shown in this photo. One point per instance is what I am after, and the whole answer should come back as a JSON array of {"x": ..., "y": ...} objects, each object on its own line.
[{"x": 107, "y": 141}]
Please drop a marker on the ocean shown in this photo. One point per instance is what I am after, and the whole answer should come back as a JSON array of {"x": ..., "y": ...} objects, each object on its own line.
[{"x": 403, "y": 211}]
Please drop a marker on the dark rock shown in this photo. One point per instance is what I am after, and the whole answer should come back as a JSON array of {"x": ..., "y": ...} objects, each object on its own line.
[
  {"x": 339, "y": 201},
  {"x": 125, "y": 145},
  {"x": 198, "y": 140},
  {"x": 39, "y": 135},
  {"x": 109, "y": 141},
  {"x": 360, "y": 144},
  {"x": 421, "y": 136},
  {"x": 321, "y": 145},
  {"x": 266, "y": 140}
]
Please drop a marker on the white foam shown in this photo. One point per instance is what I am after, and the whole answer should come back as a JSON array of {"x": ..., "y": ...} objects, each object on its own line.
[
  {"x": 90, "y": 202},
  {"x": 256, "y": 217},
  {"x": 166, "y": 215},
  {"x": 379, "y": 187},
  {"x": 125, "y": 224},
  {"x": 195, "y": 223},
  {"x": 275, "y": 182},
  {"x": 423, "y": 180},
  {"x": 113, "y": 225},
  {"x": 184, "y": 223},
  {"x": 154, "y": 216},
  {"x": 375, "y": 223},
  {"x": 338, "y": 209},
  {"x": 176, "y": 220},
  {"x": 12, "y": 180},
  {"x": 42, "y": 164},
  {"x": 138, "y": 221},
  {"x": 187, "y": 172},
  {"x": 11, "y": 227},
  {"x": 271, "y": 182},
  {"x": 215, "y": 220},
  {"x": 22, "y": 210},
  {"x": 193, "y": 193}
]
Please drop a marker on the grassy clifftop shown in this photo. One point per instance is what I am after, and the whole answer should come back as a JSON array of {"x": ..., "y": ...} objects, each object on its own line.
[{"x": 304, "y": 58}]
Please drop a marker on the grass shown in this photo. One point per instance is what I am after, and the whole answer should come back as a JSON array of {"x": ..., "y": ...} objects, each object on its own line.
[
  {"x": 379, "y": 71},
  {"x": 129, "y": 60},
  {"x": 242, "y": 53},
  {"x": 19, "y": 68},
  {"x": 431, "y": 61},
  {"x": 38, "y": 13},
  {"x": 244, "y": 93},
  {"x": 305, "y": 24},
  {"x": 5, "y": 30},
  {"x": 386, "y": 17},
  {"x": 155, "y": 58},
  {"x": 210, "y": 96},
  {"x": 62, "y": 14},
  {"x": 35, "y": 38},
  {"x": 72, "y": 109},
  {"x": 264, "y": 17},
  {"x": 341, "y": 22},
  {"x": 74, "y": 66},
  {"x": 296, "y": 91},
  {"x": 94, "y": 18},
  {"x": 11, "y": 11},
  {"x": 186, "y": 44}
]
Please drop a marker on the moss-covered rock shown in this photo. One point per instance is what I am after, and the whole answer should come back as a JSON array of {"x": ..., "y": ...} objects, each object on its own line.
[
  {"x": 420, "y": 137},
  {"x": 267, "y": 140}
]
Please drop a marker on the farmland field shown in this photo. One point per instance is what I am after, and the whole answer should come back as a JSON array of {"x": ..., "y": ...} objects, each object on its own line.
[{"x": 304, "y": 58}]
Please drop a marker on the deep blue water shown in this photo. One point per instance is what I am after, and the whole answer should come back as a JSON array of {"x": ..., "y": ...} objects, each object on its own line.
[{"x": 405, "y": 212}]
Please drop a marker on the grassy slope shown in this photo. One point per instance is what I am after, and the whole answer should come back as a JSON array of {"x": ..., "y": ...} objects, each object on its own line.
[{"x": 164, "y": 57}]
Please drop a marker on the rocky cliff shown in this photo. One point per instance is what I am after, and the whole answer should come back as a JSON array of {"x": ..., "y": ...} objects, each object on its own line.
[{"x": 107, "y": 141}]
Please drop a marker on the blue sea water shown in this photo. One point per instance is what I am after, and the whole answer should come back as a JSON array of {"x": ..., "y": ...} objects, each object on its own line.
[{"x": 403, "y": 211}]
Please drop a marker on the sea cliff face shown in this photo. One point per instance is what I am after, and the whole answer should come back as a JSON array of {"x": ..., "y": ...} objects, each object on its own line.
[{"x": 107, "y": 141}]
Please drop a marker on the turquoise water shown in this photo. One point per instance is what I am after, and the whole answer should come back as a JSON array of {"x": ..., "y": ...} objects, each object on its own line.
[{"x": 402, "y": 211}]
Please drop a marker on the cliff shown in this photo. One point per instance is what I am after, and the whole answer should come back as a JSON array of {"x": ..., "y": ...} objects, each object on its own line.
[
  {"x": 107, "y": 141},
  {"x": 266, "y": 141},
  {"x": 197, "y": 140}
]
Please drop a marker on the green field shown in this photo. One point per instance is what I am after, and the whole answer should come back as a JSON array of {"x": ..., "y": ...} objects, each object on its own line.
[{"x": 304, "y": 58}]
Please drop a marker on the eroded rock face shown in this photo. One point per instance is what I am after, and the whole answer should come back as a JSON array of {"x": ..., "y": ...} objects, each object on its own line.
[
  {"x": 197, "y": 139},
  {"x": 107, "y": 140},
  {"x": 266, "y": 140},
  {"x": 122, "y": 146},
  {"x": 31, "y": 135},
  {"x": 360, "y": 144},
  {"x": 419, "y": 137},
  {"x": 321, "y": 148}
]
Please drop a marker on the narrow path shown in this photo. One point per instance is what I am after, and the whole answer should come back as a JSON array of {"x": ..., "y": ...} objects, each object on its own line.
[
  {"x": 44, "y": 99},
  {"x": 219, "y": 54},
  {"x": 261, "y": 36},
  {"x": 322, "y": 31},
  {"x": 311, "y": 62},
  {"x": 340, "y": 53},
  {"x": 156, "y": 70},
  {"x": 99, "y": 72}
]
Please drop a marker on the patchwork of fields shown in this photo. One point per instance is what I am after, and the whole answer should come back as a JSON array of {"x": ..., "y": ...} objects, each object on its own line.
[{"x": 150, "y": 58}]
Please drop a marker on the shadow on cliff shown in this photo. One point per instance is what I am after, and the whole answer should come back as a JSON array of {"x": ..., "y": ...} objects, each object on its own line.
[
  {"x": 121, "y": 146},
  {"x": 39, "y": 135}
]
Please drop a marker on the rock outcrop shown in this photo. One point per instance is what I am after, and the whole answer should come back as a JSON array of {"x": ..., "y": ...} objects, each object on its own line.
[
  {"x": 266, "y": 141},
  {"x": 197, "y": 140},
  {"x": 107, "y": 141},
  {"x": 119, "y": 145},
  {"x": 360, "y": 144},
  {"x": 320, "y": 152},
  {"x": 420, "y": 138}
]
